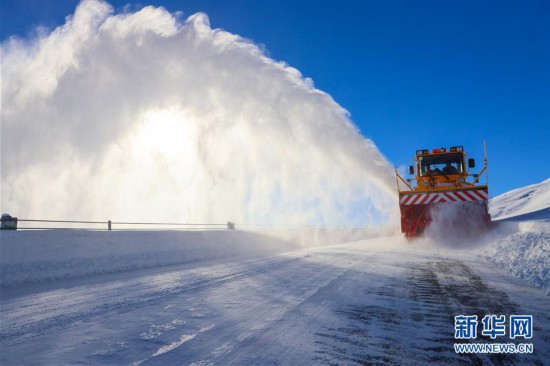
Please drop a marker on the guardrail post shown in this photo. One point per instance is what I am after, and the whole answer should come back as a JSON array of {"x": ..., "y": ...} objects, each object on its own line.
[
  {"x": 230, "y": 225},
  {"x": 8, "y": 222},
  {"x": 109, "y": 225}
]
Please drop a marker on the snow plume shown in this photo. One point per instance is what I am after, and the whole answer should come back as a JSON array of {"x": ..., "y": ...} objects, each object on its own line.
[
  {"x": 458, "y": 225},
  {"x": 144, "y": 116}
]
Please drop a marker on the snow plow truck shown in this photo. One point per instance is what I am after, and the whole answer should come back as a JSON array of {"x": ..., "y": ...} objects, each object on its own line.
[{"x": 441, "y": 178}]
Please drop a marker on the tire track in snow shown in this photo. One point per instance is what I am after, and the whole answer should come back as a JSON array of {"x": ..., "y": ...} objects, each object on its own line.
[
  {"x": 240, "y": 333},
  {"x": 396, "y": 323},
  {"x": 35, "y": 314}
]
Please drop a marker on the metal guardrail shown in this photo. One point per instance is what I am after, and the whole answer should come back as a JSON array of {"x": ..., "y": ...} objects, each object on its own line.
[{"x": 13, "y": 223}]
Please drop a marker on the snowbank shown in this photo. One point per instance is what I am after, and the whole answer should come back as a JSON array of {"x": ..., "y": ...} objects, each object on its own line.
[
  {"x": 36, "y": 256},
  {"x": 523, "y": 249},
  {"x": 32, "y": 256},
  {"x": 520, "y": 242}
]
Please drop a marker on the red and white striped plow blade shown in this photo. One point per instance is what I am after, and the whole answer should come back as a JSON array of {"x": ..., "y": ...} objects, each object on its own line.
[{"x": 473, "y": 195}]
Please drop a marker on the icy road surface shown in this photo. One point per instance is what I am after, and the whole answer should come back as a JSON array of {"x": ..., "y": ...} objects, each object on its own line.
[{"x": 372, "y": 302}]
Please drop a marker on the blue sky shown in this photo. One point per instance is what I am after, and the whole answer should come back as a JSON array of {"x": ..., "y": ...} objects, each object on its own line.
[{"x": 413, "y": 74}]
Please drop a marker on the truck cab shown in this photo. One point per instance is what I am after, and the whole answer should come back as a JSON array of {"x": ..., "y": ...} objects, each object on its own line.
[
  {"x": 441, "y": 168},
  {"x": 440, "y": 177}
]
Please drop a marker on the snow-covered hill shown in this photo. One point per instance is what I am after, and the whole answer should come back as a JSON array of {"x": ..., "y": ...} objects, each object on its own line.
[{"x": 530, "y": 202}]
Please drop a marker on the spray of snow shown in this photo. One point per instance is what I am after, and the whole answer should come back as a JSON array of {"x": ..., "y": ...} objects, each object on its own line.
[
  {"x": 457, "y": 225},
  {"x": 144, "y": 116}
]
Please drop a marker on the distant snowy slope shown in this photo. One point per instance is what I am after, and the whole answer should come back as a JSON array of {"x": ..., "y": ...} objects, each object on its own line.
[{"x": 533, "y": 200}]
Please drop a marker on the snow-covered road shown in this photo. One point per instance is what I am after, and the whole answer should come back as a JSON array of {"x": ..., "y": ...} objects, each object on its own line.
[{"x": 378, "y": 301}]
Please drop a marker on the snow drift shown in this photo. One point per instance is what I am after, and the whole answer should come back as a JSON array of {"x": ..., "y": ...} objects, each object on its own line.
[
  {"x": 520, "y": 242},
  {"x": 49, "y": 255},
  {"x": 523, "y": 249},
  {"x": 37, "y": 256},
  {"x": 145, "y": 116}
]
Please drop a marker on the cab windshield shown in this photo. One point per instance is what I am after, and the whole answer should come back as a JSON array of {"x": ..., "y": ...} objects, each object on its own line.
[{"x": 441, "y": 164}]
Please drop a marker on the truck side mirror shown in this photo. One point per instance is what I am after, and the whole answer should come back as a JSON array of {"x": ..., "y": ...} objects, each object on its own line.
[
  {"x": 411, "y": 169},
  {"x": 471, "y": 163}
]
